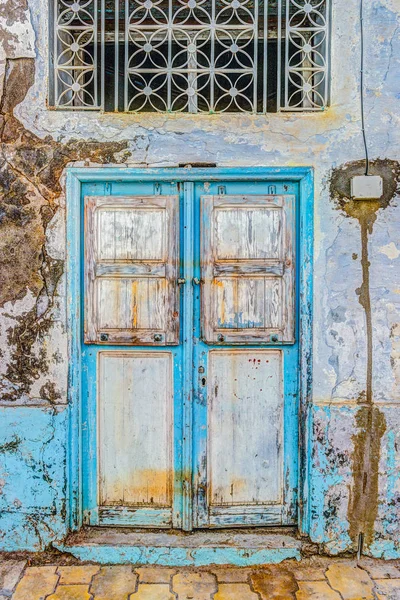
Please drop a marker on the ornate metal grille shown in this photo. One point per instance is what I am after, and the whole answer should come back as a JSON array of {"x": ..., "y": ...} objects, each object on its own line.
[{"x": 193, "y": 56}]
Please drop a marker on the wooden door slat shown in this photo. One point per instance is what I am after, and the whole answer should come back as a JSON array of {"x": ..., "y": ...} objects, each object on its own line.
[
  {"x": 131, "y": 270},
  {"x": 248, "y": 269}
]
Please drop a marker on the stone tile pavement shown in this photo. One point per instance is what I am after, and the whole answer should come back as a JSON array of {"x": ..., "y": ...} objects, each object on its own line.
[{"x": 312, "y": 579}]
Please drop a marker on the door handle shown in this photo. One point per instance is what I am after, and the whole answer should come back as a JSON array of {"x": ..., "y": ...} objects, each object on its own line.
[
  {"x": 181, "y": 281},
  {"x": 196, "y": 281}
]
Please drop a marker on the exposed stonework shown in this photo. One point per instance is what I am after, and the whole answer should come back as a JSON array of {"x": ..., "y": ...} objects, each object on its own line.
[{"x": 30, "y": 171}]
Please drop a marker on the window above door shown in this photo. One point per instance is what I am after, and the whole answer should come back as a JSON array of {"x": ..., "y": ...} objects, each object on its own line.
[{"x": 193, "y": 56}]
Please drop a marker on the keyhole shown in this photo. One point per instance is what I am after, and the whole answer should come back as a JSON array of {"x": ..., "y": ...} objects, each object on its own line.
[{"x": 203, "y": 381}]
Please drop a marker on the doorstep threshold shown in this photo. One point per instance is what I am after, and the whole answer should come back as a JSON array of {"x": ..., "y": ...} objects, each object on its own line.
[{"x": 239, "y": 547}]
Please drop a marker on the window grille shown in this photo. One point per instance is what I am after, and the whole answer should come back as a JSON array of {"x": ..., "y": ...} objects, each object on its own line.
[{"x": 211, "y": 56}]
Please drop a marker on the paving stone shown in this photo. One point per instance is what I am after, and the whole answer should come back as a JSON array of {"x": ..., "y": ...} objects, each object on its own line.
[
  {"x": 235, "y": 591},
  {"x": 37, "y": 583},
  {"x": 274, "y": 584},
  {"x": 380, "y": 570},
  {"x": 316, "y": 590},
  {"x": 152, "y": 591},
  {"x": 194, "y": 586},
  {"x": 309, "y": 574},
  {"x": 71, "y": 592},
  {"x": 227, "y": 575},
  {"x": 352, "y": 582},
  {"x": 114, "y": 583},
  {"x": 387, "y": 589},
  {"x": 78, "y": 574},
  {"x": 10, "y": 574},
  {"x": 155, "y": 574}
]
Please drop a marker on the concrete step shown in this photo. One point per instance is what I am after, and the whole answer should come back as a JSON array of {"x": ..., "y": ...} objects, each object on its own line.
[{"x": 112, "y": 545}]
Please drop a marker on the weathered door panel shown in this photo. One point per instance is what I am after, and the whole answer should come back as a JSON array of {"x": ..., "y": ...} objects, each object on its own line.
[
  {"x": 132, "y": 356},
  {"x": 248, "y": 268},
  {"x": 245, "y": 419},
  {"x": 246, "y": 353},
  {"x": 135, "y": 430},
  {"x": 190, "y": 405},
  {"x": 131, "y": 265}
]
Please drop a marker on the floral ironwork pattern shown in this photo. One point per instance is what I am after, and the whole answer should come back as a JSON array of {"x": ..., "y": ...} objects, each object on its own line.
[
  {"x": 75, "y": 77},
  {"x": 210, "y": 56},
  {"x": 306, "y": 77},
  {"x": 185, "y": 57}
]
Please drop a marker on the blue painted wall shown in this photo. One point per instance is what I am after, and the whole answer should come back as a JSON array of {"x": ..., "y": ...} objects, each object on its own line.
[{"x": 32, "y": 477}]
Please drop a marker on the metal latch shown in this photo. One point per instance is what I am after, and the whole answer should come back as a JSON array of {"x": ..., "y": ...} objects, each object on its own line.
[{"x": 181, "y": 280}]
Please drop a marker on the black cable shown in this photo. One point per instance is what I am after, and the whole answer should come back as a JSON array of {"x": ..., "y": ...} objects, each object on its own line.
[{"x": 362, "y": 88}]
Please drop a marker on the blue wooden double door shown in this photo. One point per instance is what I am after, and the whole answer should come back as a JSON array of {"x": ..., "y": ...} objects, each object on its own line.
[{"x": 189, "y": 354}]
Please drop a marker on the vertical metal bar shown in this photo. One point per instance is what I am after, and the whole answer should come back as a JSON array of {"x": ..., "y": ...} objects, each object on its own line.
[
  {"x": 169, "y": 60},
  {"x": 79, "y": 101},
  {"x": 287, "y": 31},
  {"x": 212, "y": 55},
  {"x": 116, "y": 57},
  {"x": 307, "y": 73},
  {"x": 265, "y": 67},
  {"x": 126, "y": 74},
  {"x": 95, "y": 52},
  {"x": 192, "y": 79},
  {"x": 55, "y": 50},
  {"x": 327, "y": 51},
  {"x": 187, "y": 458},
  {"x": 255, "y": 95},
  {"x": 279, "y": 57},
  {"x": 103, "y": 48}
]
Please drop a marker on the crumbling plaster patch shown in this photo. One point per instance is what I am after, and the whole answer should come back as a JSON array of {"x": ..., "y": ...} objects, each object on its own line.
[{"x": 32, "y": 247}]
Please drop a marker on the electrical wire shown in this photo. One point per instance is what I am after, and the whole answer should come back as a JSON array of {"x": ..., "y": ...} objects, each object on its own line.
[{"x": 362, "y": 88}]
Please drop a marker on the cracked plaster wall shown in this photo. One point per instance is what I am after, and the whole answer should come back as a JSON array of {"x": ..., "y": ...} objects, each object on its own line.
[{"x": 34, "y": 407}]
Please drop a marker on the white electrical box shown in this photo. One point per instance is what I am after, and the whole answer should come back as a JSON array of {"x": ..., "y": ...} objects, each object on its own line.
[{"x": 364, "y": 187}]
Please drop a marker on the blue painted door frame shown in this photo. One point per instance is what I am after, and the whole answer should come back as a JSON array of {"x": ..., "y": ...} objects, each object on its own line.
[{"x": 188, "y": 441}]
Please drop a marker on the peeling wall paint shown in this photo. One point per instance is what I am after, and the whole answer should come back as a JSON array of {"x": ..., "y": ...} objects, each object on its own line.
[
  {"x": 370, "y": 422},
  {"x": 30, "y": 185},
  {"x": 356, "y": 370},
  {"x": 32, "y": 476}
]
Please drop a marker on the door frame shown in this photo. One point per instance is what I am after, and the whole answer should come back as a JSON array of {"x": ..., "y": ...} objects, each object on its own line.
[{"x": 76, "y": 176}]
